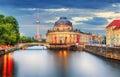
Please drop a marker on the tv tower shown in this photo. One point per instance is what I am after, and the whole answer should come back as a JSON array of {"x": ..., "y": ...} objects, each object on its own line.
[{"x": 38, "y": 36}]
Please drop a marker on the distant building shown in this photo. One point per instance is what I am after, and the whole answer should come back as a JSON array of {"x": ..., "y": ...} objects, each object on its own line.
[
  {"x": 113, "y": 33},
  {"x": 96, "y": 39},
  {"x": 63, "y": 34}
]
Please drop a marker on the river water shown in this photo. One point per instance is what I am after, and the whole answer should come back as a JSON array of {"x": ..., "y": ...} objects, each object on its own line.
[{"x": 56, "y": 63}]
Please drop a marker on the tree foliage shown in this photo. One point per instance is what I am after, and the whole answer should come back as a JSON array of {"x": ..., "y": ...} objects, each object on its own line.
[
  {"x": 104, "y": 40},
  {"x": 24, "y": 39},
  {"x": 9, "y": 30}
]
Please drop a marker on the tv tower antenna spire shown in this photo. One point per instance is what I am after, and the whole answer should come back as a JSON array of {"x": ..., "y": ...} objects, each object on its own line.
[{"x": 37, "y": 16}]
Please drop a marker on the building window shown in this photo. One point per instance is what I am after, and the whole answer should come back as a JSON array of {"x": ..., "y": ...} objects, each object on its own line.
[{"x": 58, "y": 29}]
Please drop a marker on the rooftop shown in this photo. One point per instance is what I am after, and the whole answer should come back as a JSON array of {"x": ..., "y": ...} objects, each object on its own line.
[
  {"x": 63, "y": 21},
  {"x": 114, "y": 23}
]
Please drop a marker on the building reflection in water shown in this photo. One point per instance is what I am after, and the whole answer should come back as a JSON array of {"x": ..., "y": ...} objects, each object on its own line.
[
  {"x": 63, "y": 54},
  {"x": 62, "y": 63},
  {"x": 7, "y": 65}
]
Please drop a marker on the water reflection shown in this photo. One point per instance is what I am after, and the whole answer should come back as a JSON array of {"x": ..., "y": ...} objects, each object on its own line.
[
  {"x": 48, "y": 63},
  {"x": 88, "y": 65},
  {"x": 35, "y": 64},
  {"x": 6, "y": 66}
]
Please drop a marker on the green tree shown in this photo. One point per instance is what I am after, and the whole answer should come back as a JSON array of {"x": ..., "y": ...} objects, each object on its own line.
[
  {"x": 9, "y": 30},
  {"x": 14, "y": 24},
  {"x": 1, "y": 19},
  {"x": 104, "y": 40},
  {"x": 2, "y": 29},
  {"x": 24, "y": 39}
]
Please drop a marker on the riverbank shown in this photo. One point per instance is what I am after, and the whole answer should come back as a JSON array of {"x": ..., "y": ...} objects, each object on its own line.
[
  {"x": 8, "y": 48},
  {"x": 3, "y": 47},
  {"x": 107, "y": 52}
]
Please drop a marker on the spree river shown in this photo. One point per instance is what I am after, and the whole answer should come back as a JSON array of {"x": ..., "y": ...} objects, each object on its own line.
[{"x": 56, "y": 63}]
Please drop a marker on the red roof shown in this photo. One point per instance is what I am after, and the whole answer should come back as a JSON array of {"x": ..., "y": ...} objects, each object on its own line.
[
  {"x": 117, "y": 27},
  {"x": 114, "y": 23}
]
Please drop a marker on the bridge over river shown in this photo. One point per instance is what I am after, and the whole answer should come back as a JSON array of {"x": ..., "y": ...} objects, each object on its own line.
[
  {"x": 56, "y": 63},
  {"x": 63, "y": 46}
]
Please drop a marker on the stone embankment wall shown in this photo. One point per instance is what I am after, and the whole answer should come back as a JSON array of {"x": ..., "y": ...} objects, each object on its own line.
[
  {"x": 108, "y": 52},
  {"x": 2, "y": 52}
]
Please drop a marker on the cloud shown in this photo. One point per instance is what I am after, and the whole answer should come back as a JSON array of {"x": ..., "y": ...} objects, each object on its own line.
[
  {"x": 96, "y": 21},
  {"x": 46, "y": 10},
  {"x": 94, "y": 28},
  {"x": 91, "y": 15},
  {"x": 28, "y": 9},
  {"x": 117, "y": 5},
  {"x": 80, "y": 18},
  {"x": 51, "y": 21},
  {"x": 110, "y": 16},
  {"x": 57, "y": 10}
]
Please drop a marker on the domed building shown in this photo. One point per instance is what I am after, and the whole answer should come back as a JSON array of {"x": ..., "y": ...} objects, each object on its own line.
[{"x": 62, "y": 34}]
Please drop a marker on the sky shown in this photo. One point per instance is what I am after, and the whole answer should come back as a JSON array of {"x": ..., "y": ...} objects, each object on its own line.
[{"x": 87, "y": 15}]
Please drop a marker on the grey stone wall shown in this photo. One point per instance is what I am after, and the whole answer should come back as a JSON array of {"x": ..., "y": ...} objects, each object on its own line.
[{"x": 108, "y": 52}]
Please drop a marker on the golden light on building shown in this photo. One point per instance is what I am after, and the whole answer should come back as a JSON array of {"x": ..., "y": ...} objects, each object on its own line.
[
  {"x": 113, "y": 33},
  {"x": 63, "y": 35}
]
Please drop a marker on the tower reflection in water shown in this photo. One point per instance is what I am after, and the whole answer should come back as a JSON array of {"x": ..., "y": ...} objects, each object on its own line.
[{"x": 7, "y": 65}]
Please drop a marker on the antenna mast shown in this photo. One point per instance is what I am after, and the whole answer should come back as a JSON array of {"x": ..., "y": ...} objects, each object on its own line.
[{"x": 37, "y": 16}]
